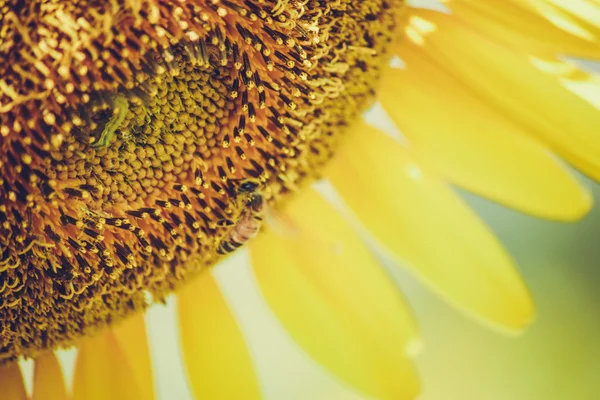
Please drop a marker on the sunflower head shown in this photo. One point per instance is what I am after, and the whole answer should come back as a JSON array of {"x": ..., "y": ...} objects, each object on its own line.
[{"x": 127, "y": 134}]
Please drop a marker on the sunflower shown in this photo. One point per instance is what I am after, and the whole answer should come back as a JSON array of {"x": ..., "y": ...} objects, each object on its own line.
[{"x": 137, "y": 139}]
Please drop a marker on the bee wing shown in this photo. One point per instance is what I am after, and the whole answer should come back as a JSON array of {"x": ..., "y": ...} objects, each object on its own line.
[{"x": 279, "y": 223}]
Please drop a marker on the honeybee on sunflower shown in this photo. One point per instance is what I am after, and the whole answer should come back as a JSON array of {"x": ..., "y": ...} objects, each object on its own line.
[{"x": 127, "y": 132}]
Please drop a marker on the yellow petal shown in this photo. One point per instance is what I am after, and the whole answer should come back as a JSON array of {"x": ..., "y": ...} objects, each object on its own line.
[
  {"x": 578, "y": 17},
  {"x": 102, "y": 371},
  {"x": 512, "y": 82},
  {"x": 217, "y": 361},
  {"x": 132, "y": 338},
  {"x": 48, "y": 380},
  {"x": 516, "y": 24},
  {"x": 476, "y": 147},
  {"x": 11, "y": 383},
  {"x": 335, "y": 300},
  {"x": 406, "y": 206}
]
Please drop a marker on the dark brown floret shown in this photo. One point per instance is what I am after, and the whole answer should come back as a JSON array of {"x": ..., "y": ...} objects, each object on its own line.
[{"x": 125, "y": 130}]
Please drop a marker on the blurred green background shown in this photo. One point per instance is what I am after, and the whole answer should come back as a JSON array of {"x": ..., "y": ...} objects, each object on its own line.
[{"x": 558, "y": 357}]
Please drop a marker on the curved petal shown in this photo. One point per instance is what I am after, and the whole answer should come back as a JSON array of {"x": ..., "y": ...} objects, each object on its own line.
[
  {"x": 132, "y": 338},
  {"x": 11, "y": 382},
  {"x": 407, "y": 207},
  {"x": 217, "y": 361},
  {"x": 476, "y": 147},
  {"x": 335, "y": 301},
  {"x": 102, "y": 371},
  {"x": 520, "y": 26},
  {"x": 514, "y": 84},
  {"x": 48, "y": 380},
  {"x": 578, "y": 17}
]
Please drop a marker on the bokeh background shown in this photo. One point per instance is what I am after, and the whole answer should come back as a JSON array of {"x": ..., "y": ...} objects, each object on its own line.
[{"x": 558, "y": 357}]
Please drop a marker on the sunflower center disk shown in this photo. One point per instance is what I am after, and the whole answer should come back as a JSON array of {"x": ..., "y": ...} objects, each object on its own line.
[{"x": 125, "y": 136}]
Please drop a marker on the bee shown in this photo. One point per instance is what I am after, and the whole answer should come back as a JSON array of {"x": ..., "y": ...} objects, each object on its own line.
[{"x": 250, "y": 220}]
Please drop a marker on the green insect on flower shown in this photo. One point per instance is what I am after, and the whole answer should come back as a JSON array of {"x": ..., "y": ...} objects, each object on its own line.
[{"x": 118, "y": 115}]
